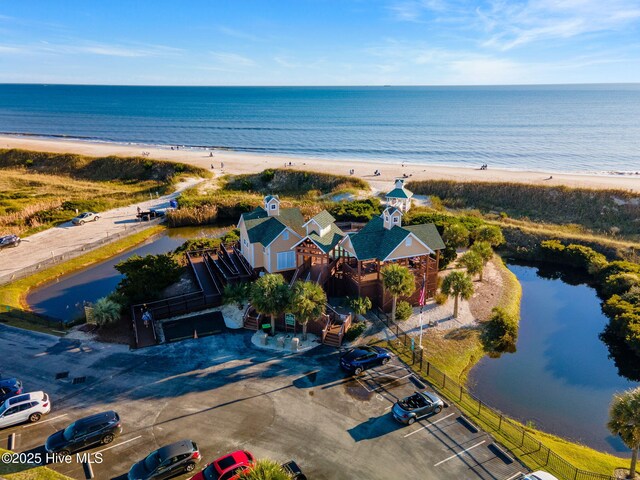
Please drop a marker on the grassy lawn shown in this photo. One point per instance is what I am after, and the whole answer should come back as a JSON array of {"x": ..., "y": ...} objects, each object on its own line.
[
  {"x": 28, "y": 472},
  {"x": 13, "y": 295}
]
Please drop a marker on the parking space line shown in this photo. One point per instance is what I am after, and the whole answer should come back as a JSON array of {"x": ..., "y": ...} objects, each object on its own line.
[
  {"x": 430, "y": 424},
  {"x": 44, "y": 421},
  {"x": 514, "y": 476},
  {"x": 459, "y": 453},
  {"x": 118, "y": 444}
]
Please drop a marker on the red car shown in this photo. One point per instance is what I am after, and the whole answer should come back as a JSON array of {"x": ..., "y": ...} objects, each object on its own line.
[{"x": 228, "y": 467}]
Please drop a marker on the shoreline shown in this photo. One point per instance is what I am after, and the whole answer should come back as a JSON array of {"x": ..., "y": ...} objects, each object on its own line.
[{"x": 241, "y": 162}]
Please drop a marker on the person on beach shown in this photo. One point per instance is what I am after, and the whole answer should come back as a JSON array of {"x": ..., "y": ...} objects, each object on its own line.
[
  {"x": 211, "y": 154},
  {"x": 221, "y": 165},
  {"x": 139, "y": 210}
]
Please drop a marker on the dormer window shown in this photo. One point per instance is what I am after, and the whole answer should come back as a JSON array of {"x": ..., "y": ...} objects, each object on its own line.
[
  {"x": 273, "y": 206},
  {"x": 395, "y": 219},
  {"x": 386, "y": 218}
]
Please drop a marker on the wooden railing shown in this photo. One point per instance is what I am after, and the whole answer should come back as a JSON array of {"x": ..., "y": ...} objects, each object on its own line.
[
  {"x": 344, "y": 328},
  {"x": 326, "y": 328}
]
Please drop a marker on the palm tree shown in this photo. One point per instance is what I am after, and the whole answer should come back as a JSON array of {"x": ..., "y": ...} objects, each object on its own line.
[
  {"x": 624, "y": 420},
  {"x": 484, "y": 250},
  {"x": 269, "y": 295},
  {"x": 360, "y": 306},
  {"x": 106, "y": 311},
  {"x": 265, "y": 469},
  {"x": 472, "y": 262},
  {"x": 399, "y": 281},
  {"x": 457, "y": 285},
  {"x": 307, "y": 303}
]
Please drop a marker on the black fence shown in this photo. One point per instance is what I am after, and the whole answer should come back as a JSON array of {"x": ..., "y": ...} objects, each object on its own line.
[{"x": 513, "y": 436}]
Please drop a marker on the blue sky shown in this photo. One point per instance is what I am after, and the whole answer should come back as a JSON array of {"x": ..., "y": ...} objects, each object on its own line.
[{"x": 319, "y": 42}]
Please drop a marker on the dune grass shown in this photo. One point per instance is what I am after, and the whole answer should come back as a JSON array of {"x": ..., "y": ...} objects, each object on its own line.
[{"x": 13, "y": 295}]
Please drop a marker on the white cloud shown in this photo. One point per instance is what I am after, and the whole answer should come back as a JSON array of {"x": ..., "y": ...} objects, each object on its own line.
[
  {"x": 232, "y": 59},
  {"x": 91, "y": 48}
]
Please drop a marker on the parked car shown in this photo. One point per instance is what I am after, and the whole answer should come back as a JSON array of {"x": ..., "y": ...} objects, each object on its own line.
[
  {"x": 357, "y": 359},
  {"x": 7, "y": 241},
  {"x": 539, "y": 475},
  {"x": 85, "y": 217},
  {"x": 227, "y": 467},
  {"x": 416, "y": 406},
  {"x": 166, "y": 462},
  {"x": 9, "y": 387},
  {"x": 293, "y": 469},
  {"x": 101, "y": 428},
  {"x": 25, "y": 407}
]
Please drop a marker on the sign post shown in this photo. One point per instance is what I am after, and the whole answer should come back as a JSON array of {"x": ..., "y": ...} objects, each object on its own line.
[{"x": 290, "y": 321}]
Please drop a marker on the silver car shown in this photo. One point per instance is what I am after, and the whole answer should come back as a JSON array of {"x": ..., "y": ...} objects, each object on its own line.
[
  {"x": 25, "y": 407},
  {"x": 416, "y": 406},
  {"x": 85, "y": 217}
]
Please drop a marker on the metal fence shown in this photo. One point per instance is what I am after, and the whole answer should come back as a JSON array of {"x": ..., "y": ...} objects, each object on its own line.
[
  {"x": 513, "y": 436},
  {"x": 56, "y": 259}
]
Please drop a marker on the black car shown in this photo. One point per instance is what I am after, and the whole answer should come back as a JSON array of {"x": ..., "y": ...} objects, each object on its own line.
[
  {"x": 294, "y": 471},
  {"x": 416, "y": 406},
  {"x": 101, "y": 428},
  {"x": 166, "y": 462},
  {"x": 9, "y": 387},
  {"x": 9, "y": 241},
  {"x": 360, "y": 358}
]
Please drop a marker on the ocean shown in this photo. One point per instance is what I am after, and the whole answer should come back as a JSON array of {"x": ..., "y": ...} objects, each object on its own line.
[{"x": 571, "y": 128}]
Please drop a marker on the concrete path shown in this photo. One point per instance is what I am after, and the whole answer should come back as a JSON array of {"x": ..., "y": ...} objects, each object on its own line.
[{"x": 66, "y": 238}]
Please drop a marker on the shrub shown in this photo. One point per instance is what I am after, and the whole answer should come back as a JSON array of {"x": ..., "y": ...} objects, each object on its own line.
[
  {"x": 441, "y": 298},
  {"x": 577, "y": 256},
  {"x": 236, "y": 292},
  {"x": 490, "y": 234},
  {"x": 360, "y": 305},
  {"x": 403, "y": 311},
  {"x": 106, "y": 311},
  {"x": 199, "y": 243},
  {"x": 500, "y": 332},
  {"x": 620, "y": 283},
  {"x": 357, "y": 329},
  {"x": 357, "y": 210},
  {"x": 146, "y": 277}
]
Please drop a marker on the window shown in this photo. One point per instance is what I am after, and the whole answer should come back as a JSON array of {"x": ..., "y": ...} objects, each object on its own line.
[
  {"x": 273, "y": 206},
  {"x": 285, "y": 235},
  {"x": 286, "y": 260},
  {"x": 408, "y": 241},
  {"x": 386, "y": 218},
  {"x": 395, "y": 219},
  {"x": 246, "y": 244}
]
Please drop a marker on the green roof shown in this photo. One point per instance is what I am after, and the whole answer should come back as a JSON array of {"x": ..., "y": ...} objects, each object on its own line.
[
  {"x": 264, "y": 229},
  {"x": 324, "y": 219},
  {"x": 375, "y": 241},
  {"x": 329, "y": 240},
  {"x": 428, "y": 233},
  {"x": 399, "y": 193}
]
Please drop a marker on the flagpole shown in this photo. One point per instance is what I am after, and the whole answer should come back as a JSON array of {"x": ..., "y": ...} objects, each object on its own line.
[{"x": 420, "y": 327}]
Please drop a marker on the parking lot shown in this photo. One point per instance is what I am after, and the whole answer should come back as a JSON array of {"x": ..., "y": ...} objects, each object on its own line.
[{"x": 225, "y": 394}]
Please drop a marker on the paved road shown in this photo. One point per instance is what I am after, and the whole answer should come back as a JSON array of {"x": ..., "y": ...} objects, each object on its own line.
[
  {"x": 225, "y": 394},
  {"x": 68, "y": 237}
]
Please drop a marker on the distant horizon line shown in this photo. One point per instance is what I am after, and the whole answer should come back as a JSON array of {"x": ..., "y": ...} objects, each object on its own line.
[{"x": 324, "y": 86}]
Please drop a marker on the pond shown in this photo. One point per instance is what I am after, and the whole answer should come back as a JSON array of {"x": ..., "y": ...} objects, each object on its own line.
[
  {"x": 560, "y": 377},
  {"x": 64, "y": 297}
]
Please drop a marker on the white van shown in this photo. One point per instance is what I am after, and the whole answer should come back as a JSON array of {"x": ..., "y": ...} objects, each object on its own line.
[{"x": 22, "y": 408}]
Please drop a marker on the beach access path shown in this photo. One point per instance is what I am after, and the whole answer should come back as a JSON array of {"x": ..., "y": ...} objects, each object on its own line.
[
  {"x": 242, "y": 162},
  {"x": 67, "y": 238}
]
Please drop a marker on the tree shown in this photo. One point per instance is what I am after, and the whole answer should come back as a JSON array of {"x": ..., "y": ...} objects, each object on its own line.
[
  {"x": 307, "y": 303},
  {"x": 484, "y": 251},
  {"x": 399, "y": 281},
  {"x": 265, "y": 469},
  {"x": 360, "y": 305},
  {"x": 457, "y": 285},
  {"x": 145, "y": 278},
  {"x": 236, "y": 293},
  {"x": 456, "y": 235},
  {"x": 472, "y": 262},
  {"x": 624, "y": 420},
  {"x": 106, "y": 311},
  {"x": 270, "y": 296},
  {"x": 492, "y": 234}
]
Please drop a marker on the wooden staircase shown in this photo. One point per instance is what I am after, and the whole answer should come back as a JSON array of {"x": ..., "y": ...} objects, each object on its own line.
[
  {"x": 251, "y": 319},
  {"x": 333, "y": 337}
]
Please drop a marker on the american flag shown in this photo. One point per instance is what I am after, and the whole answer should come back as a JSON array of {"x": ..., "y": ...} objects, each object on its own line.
[{"x": 422, "y": 292}]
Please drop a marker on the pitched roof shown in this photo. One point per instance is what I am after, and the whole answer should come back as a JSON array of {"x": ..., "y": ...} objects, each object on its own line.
[
  {"x": 399, "y": 193},
  {"x": 392, "y": 210},
  {"x": 375, "y": 241},
  {"x": 428, "y": 233},
  {"x": 268, "y": 198},
  {"x": 329, "y": 240},
  {"x": 324, "y": 219},
  {"x": 264, "y": 229}
]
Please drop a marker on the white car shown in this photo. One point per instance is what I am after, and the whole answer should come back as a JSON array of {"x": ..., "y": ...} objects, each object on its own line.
[
  {"x": 539, "y": 475},
  {"x": 85, "y": 217},
  {"x": 22, "y": 408}
]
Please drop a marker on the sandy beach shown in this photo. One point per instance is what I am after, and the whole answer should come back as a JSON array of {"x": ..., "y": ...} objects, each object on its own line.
[{"x": 241, "y": 162}]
